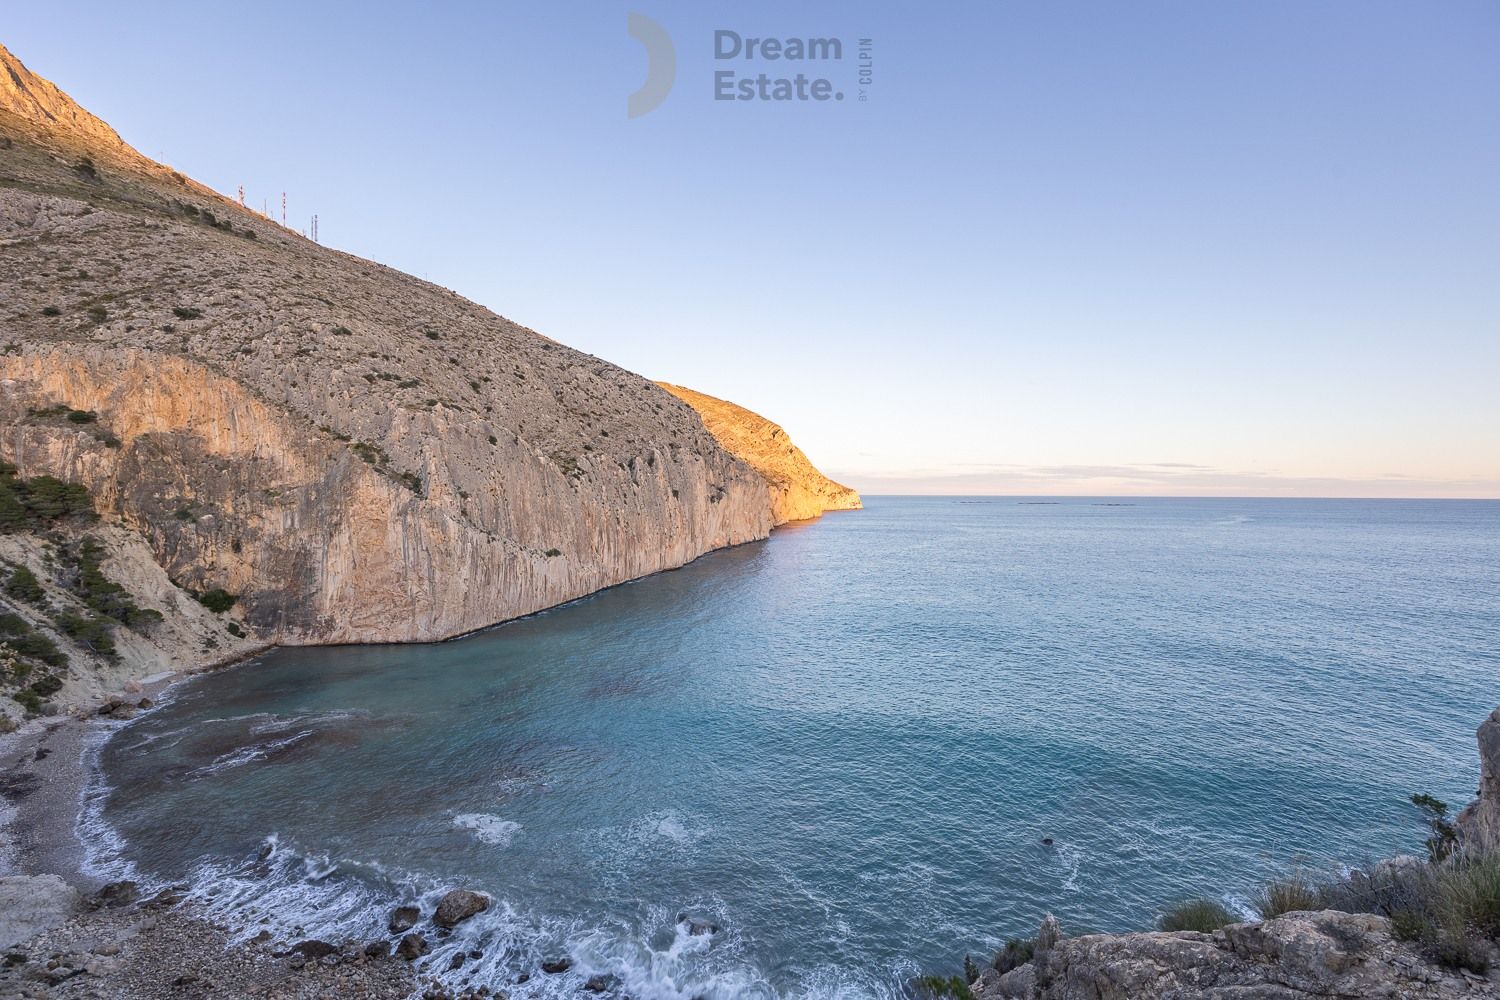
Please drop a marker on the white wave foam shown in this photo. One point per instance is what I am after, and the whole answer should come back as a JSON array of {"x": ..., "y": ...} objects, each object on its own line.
[
  {"x": 488, "y": 828},
  {"x": 249, "y": 754}
]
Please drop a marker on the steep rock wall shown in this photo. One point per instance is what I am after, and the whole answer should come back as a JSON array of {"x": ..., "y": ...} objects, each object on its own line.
[{"x": 325, "y": 546}]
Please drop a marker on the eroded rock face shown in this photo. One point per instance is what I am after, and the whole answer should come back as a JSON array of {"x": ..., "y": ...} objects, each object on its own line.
[
  {"x": 1479, "y": 822},
  {"x": 359, "y": 455},
  {"x": 1292, "y": 957},
  {"x": 798, "y": 490}
]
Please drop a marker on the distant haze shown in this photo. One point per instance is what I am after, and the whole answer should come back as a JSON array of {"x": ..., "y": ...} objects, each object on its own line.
[{"x": 1241, "y": 248}]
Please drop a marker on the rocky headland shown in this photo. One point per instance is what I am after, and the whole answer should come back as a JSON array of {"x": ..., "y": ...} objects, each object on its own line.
[{"x": 333, "y": 450}]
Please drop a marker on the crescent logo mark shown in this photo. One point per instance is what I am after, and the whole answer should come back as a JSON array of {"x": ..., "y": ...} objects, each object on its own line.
[{"x": 661, "y": 65}]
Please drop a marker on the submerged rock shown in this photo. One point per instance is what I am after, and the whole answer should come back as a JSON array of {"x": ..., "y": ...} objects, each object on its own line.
[
  {"x": 697, "y": 926},
  {"x": 557, "y": 966},
  {"x": 459, "y": 905},
  {"x": 602, "y": 984}
]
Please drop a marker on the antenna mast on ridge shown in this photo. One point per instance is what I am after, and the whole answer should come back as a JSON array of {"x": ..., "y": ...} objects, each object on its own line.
[
  {"x": 283, "y": 209},
  {"x": 315, "y": 229}
]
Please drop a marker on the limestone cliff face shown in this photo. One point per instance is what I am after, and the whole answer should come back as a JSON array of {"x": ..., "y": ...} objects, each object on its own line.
[
  {"x": 360, "y": 455},
  {"x": 1479, "y": 823},
  {"x": 798, "y": 490}
]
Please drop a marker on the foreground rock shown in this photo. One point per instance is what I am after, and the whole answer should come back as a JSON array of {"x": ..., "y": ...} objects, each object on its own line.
[
  {"x": 1299, "y": 955},
  {"x": 459, "y": 905},
  {"x": 30, "y": 904}
]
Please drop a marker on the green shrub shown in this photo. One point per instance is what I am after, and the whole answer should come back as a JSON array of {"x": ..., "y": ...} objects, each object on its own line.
[
  {"x": 51, "y": 311},
  {"x": 82, "y": 416},
  {"x": 1444, "y": 836},
  {"x": 1409, "y": 926},
  {"x": 1016, "y": 953},
  {"x": 945, "y": 986},
  {"x": 1289, "y": 895},
  {"x": 48, "y": 684},
  {"x": 91, "y": 633},
  {"x": 552, "y": 553},
  {"x": 30, "y": 503},
  {"x": 1202, "y": 915},
  {"x": 1469, "y": 894},
  {"x": 217, "y": 600},
  {"x": 23, "y": 585},
  {"x": 29, "y": 700},
  {"x": 98, "y": 313},
  {"x": 187, "y": 312}
]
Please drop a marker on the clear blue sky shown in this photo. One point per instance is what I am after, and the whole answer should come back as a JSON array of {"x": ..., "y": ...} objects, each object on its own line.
[{"x": 1186, "y": 247}]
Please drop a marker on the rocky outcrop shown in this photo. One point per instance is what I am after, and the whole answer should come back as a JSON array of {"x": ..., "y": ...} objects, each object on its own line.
[
  {"x": 1479, "y": 822},
  {"x": 1296, "y": 956},
  {"x": 359, "y": 456},
  {"x": 458, "y": 905},
  {"x": 798, "y": 490},
  {"x": 30, "y": 904}
]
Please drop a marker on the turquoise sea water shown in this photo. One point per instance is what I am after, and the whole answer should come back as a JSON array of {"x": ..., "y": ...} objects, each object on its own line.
[{"x": 845, "y": 745}]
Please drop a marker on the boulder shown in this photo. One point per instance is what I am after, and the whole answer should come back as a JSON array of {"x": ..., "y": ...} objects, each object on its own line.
[
  {"x": 556, "y": 966},
  {"x": 312, "y": 948},
  {"x": 411, "y": 947},
  {"x": 116, "y": 894},
  {"x": 403, "y": 919},
  {"x": 458, "y": 905},
  {"x": 30, "y": 904}
]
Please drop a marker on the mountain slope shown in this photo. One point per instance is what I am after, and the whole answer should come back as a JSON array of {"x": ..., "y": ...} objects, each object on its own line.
[
  {"x": 357, "y": 454},
  {"x": 798, "y": 490}
]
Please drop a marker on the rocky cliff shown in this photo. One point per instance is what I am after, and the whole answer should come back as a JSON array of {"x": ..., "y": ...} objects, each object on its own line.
[
  {"x": 1479, "y": 823},
  {"x": 356, "y": 454},
  {"x": 798, "y": 490}
]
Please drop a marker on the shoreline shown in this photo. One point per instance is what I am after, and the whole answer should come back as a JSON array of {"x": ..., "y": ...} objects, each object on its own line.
[{"x": 67, "y": 933}]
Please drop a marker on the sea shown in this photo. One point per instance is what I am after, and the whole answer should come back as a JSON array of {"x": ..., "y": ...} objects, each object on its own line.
[{"x": 825, "y": 763}]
